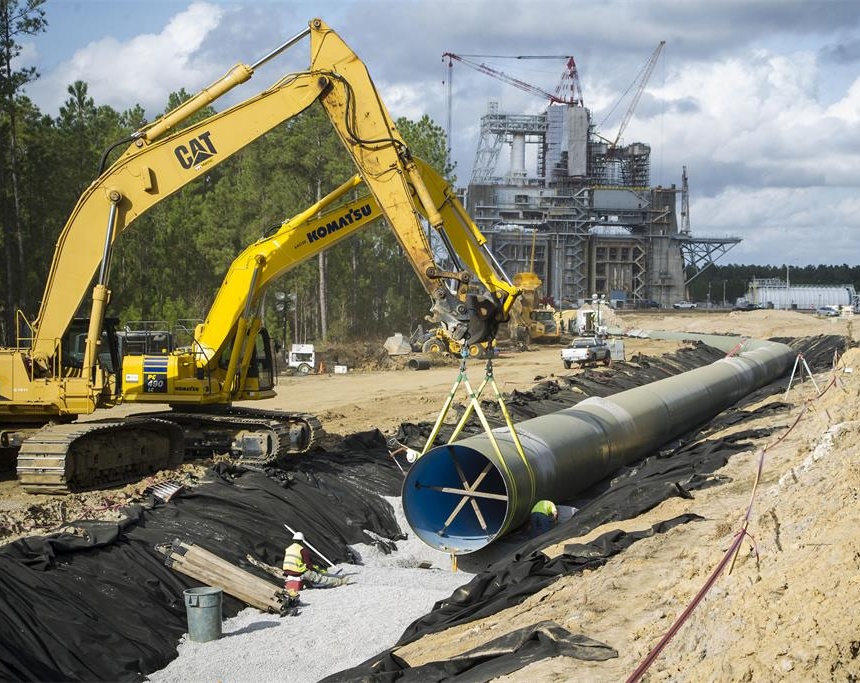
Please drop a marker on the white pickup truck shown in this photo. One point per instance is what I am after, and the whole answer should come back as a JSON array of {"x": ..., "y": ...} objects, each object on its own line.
[{"x": 586, "y": 351}]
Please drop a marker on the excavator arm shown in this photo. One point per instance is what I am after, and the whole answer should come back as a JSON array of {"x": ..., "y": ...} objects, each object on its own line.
[
  {"x": 156, "y": 165},
  {"x": 37, "y": 383}
]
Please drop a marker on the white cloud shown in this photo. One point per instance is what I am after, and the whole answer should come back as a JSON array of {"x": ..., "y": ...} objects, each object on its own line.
[
  {"x": 782, "y": 225},
  {"x": 755, "y": 115},
  {"x": 143, "y": 70},
  {"x": 847, "y": 109},
  {"x": 403, "y": 99}
]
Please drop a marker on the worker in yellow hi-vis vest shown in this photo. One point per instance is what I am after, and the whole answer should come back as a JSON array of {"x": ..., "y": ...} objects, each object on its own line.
[
  {"x": 543, "y": 517},
  {"x": 299, "y": 569}
]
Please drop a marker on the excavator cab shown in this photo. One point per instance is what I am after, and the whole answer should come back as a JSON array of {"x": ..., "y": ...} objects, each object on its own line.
[
  {"x": 74, "y": 342},
  {"x": 262, "y": 370},
  {"x": 178, "y": 379}
]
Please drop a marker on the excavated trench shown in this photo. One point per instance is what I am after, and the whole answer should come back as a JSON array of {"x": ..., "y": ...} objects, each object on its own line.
[{"x": 96, "y": 602}]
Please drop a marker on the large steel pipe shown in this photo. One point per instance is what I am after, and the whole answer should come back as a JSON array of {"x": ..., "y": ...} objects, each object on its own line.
[{"x": 460, "y": 497}]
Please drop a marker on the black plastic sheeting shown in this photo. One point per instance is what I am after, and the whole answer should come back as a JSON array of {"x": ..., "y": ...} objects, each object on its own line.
[
  {"x": 101, "y": 605},
  {"x": 501, "y": 656}
]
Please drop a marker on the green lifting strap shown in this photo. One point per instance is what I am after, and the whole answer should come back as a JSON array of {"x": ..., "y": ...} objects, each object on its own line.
[{"x": 475, "y": 406}]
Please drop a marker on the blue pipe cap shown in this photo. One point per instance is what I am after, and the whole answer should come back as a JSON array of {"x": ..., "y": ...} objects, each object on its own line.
[{"x": 455, "y": 499}]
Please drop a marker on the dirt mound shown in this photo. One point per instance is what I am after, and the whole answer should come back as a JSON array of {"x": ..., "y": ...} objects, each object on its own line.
[
  {"x": 357, "y": 356},
  {"x": 371, "y": 356}
]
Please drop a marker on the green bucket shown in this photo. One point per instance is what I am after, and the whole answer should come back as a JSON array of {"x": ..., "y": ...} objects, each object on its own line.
[{"x": 203, "y": 609}]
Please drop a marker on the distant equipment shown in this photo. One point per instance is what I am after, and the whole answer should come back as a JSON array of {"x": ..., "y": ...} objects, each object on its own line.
[{"x": 301, "y": 359}]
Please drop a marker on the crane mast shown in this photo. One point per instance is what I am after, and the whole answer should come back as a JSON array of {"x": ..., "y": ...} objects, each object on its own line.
[{"x": 569, "y": 80}]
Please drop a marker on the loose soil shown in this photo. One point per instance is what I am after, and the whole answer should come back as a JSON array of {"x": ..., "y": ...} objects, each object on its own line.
[{"x": 784, "y": 612}]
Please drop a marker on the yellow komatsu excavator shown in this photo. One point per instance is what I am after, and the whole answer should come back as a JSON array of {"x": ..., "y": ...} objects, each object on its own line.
[{"x": 45, "y": 384}]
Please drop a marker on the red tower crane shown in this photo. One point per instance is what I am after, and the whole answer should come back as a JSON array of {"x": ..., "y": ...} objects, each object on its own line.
[{"x": 568, "y": 91}]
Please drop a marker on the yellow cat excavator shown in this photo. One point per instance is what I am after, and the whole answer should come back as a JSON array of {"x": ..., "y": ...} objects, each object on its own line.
[{"x": 45, "y": 384}]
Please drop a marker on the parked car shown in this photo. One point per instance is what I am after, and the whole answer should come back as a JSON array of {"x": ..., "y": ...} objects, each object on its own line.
[
  {"x": 746, "y": 306},
  {"x": 586, "y": 351},
  {"x": 685, "y": 304},
  {"x": 827, "y": 311}
]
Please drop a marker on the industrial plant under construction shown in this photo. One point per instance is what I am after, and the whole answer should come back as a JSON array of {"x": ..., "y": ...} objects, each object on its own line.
[{"x": 585, "y": 217}]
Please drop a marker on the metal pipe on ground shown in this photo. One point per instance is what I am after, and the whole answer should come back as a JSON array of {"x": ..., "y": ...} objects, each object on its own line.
[
  {"x": 418, "y": 363},
  {"x": 460, "y": 497}
]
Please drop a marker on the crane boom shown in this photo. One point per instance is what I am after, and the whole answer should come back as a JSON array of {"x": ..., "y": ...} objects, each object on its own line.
[
  {"x": 645, "y": 74},
  {"x": 558, "y": 97}
]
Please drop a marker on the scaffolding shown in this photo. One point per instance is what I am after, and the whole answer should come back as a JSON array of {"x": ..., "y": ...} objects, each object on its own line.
[{"x": 600, "y": 225}]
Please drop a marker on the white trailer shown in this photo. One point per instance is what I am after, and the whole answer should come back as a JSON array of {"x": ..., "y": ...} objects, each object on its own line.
[
  {"x": 301, "y": 359},
  {"x": 776, "y": 293}
]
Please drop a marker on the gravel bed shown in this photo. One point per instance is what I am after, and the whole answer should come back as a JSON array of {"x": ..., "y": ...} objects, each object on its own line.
[{"x": 337, "y": 628}]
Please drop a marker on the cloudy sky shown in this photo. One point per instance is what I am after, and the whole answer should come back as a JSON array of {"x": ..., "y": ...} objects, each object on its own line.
[{"x": 759, "y": 99}]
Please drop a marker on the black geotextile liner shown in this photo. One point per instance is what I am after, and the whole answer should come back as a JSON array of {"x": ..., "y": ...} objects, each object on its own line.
[
  {"x": 103, "y": 606},
  {"x": 818, "y": 352},
  {"x": 498, "y": 657}
]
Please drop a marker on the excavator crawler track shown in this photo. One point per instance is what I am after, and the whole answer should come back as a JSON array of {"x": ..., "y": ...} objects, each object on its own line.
[
  {"x": 81, "y": 456},
  {"x": 250, "y": 435}
]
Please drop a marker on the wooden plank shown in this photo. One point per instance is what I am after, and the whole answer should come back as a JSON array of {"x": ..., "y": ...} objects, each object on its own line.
[
  {"x": 267, "y": 602},
  {"x": 211, "y": 570}
]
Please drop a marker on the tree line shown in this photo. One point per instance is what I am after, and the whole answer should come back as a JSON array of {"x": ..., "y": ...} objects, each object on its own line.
[{"x": 170, "y": 264}]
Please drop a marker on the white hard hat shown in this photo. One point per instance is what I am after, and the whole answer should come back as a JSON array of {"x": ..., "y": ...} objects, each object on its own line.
[{"x": 298, "y": 536}]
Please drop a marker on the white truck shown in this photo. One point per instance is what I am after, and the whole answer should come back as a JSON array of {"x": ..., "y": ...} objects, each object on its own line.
[
  {"x": 586, "y": 351},
  {"x": 301, "y": 359}
]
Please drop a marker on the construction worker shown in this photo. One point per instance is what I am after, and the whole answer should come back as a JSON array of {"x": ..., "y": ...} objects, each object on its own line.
[
  {"x": 544, "y": 515},
  {"x": 299, "y": 569}
]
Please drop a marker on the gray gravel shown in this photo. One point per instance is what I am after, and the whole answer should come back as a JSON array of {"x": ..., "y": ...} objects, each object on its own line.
[{"x": 337, "y": 628}]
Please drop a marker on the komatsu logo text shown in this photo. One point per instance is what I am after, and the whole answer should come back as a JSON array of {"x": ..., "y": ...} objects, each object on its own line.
[
  {"x": 350, "y": 217},
  {"x": 196, "y": 151}
]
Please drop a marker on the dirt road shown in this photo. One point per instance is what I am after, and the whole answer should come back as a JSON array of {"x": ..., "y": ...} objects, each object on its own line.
[{"x": 358, "y": 401}]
